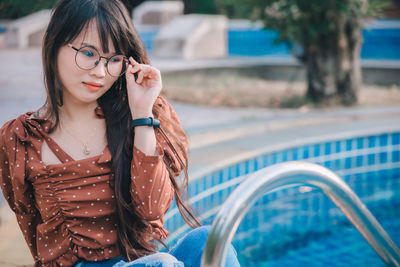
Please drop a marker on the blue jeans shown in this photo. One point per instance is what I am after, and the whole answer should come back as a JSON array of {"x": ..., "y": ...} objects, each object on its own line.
[{"x": 186, "y": 253}]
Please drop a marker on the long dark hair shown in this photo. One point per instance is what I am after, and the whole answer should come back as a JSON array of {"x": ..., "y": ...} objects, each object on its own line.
[{"x": 69, "y": 18}]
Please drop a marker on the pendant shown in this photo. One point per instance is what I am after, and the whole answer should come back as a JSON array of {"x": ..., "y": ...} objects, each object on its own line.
[{"x": 86, "y": 149}]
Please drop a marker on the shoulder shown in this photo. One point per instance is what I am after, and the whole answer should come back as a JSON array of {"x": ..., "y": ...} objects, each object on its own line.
[
  {"x": 8, "y": 133},
  {"x": 11, "y": 127},
  {"x": 169, "y": 118},
  {"x": 161, "y": 101},
  {"x": 16, "y": 128},
  {"x": 167, "y": 109}
]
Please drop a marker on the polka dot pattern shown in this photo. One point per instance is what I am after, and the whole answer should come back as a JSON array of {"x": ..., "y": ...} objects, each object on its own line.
[{"x": 67, "y": 211}]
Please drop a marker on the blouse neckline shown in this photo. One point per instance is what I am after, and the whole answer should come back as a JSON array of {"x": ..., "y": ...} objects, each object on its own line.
[{"x": 65, "y": 158}]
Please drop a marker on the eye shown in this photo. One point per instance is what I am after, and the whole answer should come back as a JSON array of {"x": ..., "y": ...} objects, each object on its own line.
[
  {"x": 116, "y": 59},
  {"x": 87, "y": 52}
]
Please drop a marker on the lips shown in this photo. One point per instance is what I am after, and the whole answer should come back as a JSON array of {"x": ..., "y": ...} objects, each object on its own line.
[{"x": 93, "y": 86}]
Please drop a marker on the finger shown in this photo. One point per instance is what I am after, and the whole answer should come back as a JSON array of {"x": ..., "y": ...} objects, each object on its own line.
[
  {"x": 149, "y": 71},
  {"x": 134, "y": 69},
  {"x": 140, "y": 77},
  {"x": 130, "y": 79},
  {"x": 132, "y": 61}
]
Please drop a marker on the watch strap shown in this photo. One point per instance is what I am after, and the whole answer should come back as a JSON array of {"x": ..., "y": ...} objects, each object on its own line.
[{"x": 150, "y": 121}]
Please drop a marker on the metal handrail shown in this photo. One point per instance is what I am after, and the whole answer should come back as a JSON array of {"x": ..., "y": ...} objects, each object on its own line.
[{"x": 287, "y": 174}]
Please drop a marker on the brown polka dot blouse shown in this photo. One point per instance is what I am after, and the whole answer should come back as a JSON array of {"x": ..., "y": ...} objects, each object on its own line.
[{"x": 67, "y": 211}]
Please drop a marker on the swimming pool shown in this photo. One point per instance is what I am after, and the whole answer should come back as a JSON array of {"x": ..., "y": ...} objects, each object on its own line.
[{"x": 300, "y": 226}]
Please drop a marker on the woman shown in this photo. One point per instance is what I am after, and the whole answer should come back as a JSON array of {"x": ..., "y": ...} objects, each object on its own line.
[{"x": 91, "y": 174}]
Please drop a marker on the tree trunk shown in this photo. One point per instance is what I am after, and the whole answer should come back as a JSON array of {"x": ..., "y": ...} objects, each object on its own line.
[
  {"x": 333, "y": 65},
  {"x": 320, "y": 66},
  {"x": 348, "y": 68}
]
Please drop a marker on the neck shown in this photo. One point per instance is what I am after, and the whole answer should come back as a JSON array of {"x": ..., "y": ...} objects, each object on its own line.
[{"x": 77, "y": 112}]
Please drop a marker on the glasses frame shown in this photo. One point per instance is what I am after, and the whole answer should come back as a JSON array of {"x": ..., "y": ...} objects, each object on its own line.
[{"x": 98, "y": 61}]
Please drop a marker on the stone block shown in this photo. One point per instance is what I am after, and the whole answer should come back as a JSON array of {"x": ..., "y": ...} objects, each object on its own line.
[
  {"x": 27, "y": 31},
  {"x": 2, "y": 41},
  {"x": 193, "y": 36}
]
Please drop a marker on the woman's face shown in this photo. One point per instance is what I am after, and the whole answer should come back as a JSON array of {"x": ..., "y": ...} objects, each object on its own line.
[{"x": 84, "y": 86}]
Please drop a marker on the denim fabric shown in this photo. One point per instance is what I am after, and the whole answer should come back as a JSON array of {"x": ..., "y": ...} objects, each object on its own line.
[
  {"x": 189, "y": 249},
  {"x": 186, "y": 253},
  {"x": 159, "y": 259},
  {"x": 104, "y": 263}
]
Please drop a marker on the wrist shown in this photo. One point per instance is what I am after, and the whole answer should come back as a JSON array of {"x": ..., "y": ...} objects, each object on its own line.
[{"x": 137, "y": 114}]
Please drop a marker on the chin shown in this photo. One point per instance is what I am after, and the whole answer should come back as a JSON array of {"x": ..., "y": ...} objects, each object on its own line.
[{"x": 88, "y": 99}]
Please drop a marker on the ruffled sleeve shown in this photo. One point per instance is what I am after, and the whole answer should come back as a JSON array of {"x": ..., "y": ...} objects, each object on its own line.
[
  {"x": 16, "y": 189},
  {"x": 151, "y": 187}
]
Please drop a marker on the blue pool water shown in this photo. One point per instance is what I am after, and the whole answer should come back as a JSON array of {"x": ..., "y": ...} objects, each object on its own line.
[
  {"x": 300, "y": 226},
  {"x": 378, "y": 43},
  {"x": 311, "y": 231}
]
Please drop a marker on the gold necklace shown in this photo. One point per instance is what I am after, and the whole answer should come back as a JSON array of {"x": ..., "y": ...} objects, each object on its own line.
[{"x": 86, "y": 150}]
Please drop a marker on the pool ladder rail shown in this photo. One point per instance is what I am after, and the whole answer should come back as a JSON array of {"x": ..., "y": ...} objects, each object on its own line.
[{"x": 287, "y": 174}]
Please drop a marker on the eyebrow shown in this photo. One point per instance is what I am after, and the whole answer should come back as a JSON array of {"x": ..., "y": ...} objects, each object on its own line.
[{"x": 86, "y": 44}]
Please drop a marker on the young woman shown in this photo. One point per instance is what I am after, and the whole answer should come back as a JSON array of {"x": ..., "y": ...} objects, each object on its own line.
[{"x": 91, "y": 174}]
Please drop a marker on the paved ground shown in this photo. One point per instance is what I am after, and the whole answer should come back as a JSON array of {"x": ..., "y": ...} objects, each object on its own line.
[{"x": 218, "y": 135}]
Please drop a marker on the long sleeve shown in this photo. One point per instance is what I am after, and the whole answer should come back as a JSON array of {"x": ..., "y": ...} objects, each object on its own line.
[
  {"x": 16, "y": 190},
  {"x": 151, "y": 187}
]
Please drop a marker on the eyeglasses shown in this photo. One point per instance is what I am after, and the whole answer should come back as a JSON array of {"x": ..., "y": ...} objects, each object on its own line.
[{"x": 87, "y": 58}]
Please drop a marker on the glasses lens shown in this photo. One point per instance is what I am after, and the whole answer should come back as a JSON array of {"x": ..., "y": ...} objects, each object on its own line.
[
  {"x": 87, "y": 58},
  {"x": 116, "y": 65}
]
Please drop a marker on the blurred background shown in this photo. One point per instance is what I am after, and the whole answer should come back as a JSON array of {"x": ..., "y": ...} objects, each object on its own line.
[
  {"x": 294, "y": 54},
  {"x": 253, "y": 82}
]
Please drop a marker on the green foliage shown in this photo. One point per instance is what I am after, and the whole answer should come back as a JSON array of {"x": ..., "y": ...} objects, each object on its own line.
[
  {"x": 236, "y": 8},
  {"x": 302, "y": 21},
  {"x": 205, "y": 7},
  {"x": 13, "y": 9},
  {"x": 200, "y": 6}
]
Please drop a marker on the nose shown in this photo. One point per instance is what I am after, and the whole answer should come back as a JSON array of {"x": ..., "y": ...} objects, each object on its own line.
[{"x": 100, "y": 70}]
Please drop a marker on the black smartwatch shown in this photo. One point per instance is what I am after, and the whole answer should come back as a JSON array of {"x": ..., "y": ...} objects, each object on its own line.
[{"x": 150, "y": 121}]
